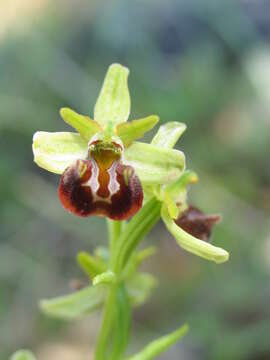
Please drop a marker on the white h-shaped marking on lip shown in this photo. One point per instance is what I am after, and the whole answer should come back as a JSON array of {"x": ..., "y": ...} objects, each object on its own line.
[{"x": 94, "y": 185}]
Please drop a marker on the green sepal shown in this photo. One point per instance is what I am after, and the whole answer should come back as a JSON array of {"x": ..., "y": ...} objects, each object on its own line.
[
  {"x": 171, "y": 205},
  {"x": 135, "y": 129},
  {"x": 107, "y": 277},
  {"x": 85, "y": 126},
  {"x": 57, "y": 151},
  {"x": 191, "y": 244},
  {"x": 91, "y": 265},
  {"x": 188, "y": 177},
  {"x": 168, "y": 134},
  {"x": 23, "y": 355},
  {"x": 113, "y": 103},
  {"x": 140, "y": 287},
  {"x": 175, "y": 193},
  {"x": 155, "y": 165},
  {"x": 74, "y": 305},
  {"x": 158, "y": 346}
]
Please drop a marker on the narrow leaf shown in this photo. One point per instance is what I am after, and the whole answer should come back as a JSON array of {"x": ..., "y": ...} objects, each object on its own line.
[
  {"x": 192, "y": 244},
  {"x": 155, "y": 165},
  {"x": 145, "y": 254},
  {"x": 23, "y": 355},
  {"x": 113, "y": 103},
  {"x": 107, "y": 277},
  {"x": 135, "y": 129},
  {"x": 85, "y": 126},
  {"x": 75, "y": 305},
  {"x": 158, "y": 346},
  {"x": 168, "y": 134},
  {"x": 56, "y": 151},
  {"x": 91, "y": 265}
]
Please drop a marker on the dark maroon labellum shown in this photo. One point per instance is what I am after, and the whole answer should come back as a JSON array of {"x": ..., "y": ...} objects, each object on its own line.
[
  {"x": 197, "y": 223},
  {"x": 101, "y": 185}
]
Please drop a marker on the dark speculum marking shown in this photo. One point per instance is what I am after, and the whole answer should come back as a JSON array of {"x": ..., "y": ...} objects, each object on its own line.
[
  {"x": 196, "y": 223},
  {"x": 101, "y": 185}
]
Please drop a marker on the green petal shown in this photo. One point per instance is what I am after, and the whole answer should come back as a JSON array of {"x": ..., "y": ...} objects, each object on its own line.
[
  {"x": 74, "y": 305},
  {"x": 155, "y": 165},
  {"x": 192, "y": 244},
  {"x": 113, "y": 103},
  {"x": 85, "y": 126},
  {"x": 130, "y": 131},
  {"x": 168, "y": 134},
  {"x": 158, "y": 346},
  {"x": 23, "y": 355},
  {"x": 56, "y": 151}
]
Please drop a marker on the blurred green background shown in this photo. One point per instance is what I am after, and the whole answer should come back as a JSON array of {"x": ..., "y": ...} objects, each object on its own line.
[{"x": 205, "y": 63}]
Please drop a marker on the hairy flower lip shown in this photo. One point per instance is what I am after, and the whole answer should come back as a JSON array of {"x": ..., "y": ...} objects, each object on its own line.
[
  {"x": 196, "y": 223},
  {"x": 86, "y": 189}
]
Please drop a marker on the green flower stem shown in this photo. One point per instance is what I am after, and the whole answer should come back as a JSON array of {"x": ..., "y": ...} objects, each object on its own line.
[
  {"x": 122, "y": 324},
  {"x": 122, "y": 244},
  {"x": 135, "y": 231},
  {"x": 114, "y": 230},
  {"x": 107, "y": 324}
]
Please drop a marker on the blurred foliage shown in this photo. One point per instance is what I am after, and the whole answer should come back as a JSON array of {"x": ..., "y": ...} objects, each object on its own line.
[{"x": 201, "y": 62}]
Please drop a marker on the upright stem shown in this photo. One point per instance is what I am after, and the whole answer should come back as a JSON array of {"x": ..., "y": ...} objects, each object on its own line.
[
  {"x": 107, "y": 322},
  {"x": 114, "y": 230},
  {"x": 122, "y": 244}
]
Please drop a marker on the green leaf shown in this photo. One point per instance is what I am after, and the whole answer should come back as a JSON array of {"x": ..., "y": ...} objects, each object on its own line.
[
  {"x": 113, "y": 103},
  {"x": 91, "y": 265},
  {"x": 74, "y": 305},
  {"x": 191, "y": 244},
  {"x": 158, "y": 346},
  {"x": 155, "y": 165},
  {"x": 107, "y": 277},
  {"x": 140, "y": 287},
  {"x": 135, "y": 129},
  {"x": 56, "y": 151},
  {"x": 23, "y": 355},
  {"x": 168, "y": 134},
  {"x": 85, "y": 126},
  {"x": 145, "y": 254}
]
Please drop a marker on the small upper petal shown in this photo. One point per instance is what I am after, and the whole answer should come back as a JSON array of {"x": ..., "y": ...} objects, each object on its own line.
[
  {"x": 85, "y": 126},
  {"x": 135, "y": 129}
]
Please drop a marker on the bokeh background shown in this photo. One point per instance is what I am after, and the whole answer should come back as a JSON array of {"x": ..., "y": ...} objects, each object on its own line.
[{"x": 205, "y": 63}]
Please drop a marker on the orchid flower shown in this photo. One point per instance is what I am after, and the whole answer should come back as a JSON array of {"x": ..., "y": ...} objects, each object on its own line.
[
  {"x": 106, "y": 172},
  {"x": 102, "y": 169}
]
